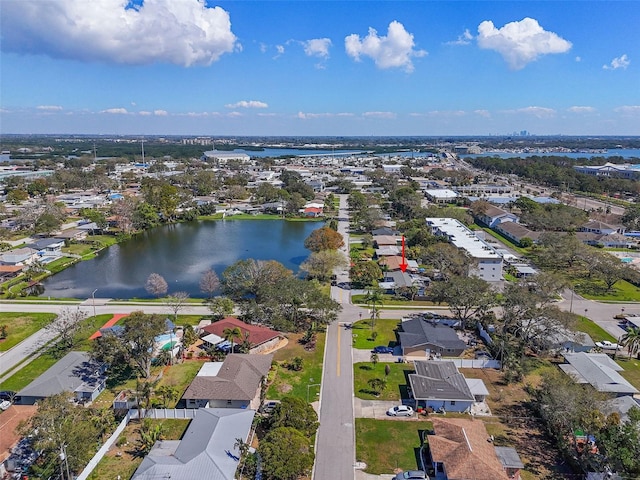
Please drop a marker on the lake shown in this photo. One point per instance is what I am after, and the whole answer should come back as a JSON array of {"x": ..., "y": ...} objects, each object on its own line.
[{"x": 181, "y": 253}]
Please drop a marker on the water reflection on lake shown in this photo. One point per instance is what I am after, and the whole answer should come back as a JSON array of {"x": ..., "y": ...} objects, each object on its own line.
[{"x": 181, "y": 253}]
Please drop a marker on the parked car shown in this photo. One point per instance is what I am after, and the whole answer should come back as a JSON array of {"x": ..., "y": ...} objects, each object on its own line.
[
  {"x": 269, "y": 407},
  {"x": 7, "y": 395},
  {"x": 607, "y": 344},
  {"x": 411, "y": 475},
  {"x": 4, "y": 404},
  {"x": 400, "y": 411},
  {"x": 382, "y": 349}
]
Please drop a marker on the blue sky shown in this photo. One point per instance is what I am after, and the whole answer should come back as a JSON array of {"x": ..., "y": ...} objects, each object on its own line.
[{"x": 320, "y": 68}]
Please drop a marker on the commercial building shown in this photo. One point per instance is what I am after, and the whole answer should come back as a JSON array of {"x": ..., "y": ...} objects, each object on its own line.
[{"x": 488, "y": 263}]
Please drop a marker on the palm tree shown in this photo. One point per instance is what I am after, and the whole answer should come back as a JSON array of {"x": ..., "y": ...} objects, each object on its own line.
[
  {"x": 230, "y": 334},
  {"x": 631, "y": 340},
  {"x": 374, "y": 358},
  {"x": 377, "y": 385},
  {"x": 373, "y": 298}
]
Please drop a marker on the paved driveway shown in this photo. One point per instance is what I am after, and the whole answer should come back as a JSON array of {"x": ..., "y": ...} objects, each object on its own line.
[{"x": 377, "y": 409}]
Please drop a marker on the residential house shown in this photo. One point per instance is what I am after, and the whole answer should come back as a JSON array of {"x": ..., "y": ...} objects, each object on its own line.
[
  {"x": 386, "y": 240},
  {"x": 461, "y": 449},
  {"x": 423, "y": 337},
  {"x": 19, "y": 256},
  {"x": 387, "y": 250},
  {"x": 50, "y": 248},
  {"x": 567, "y": 341},
  {"x": 262, "y": 339},
  {"x": 384, "y": 231},
  {"x": 234, "y": 383},
  {"x": 438, "y": 384},
  {"x": 492, "y": 216},
  {"x": 599, "y": 370},
  {"x": 10, "y": 271},
  {"x": 312, "y": 212},
  {"x": 75, "y": 372},
  {"x": 207, "y": 448},
  {"x": 620, "y": 406},
  {"x": 516, "y": 232},
  {"x": 74, "y": 234}
]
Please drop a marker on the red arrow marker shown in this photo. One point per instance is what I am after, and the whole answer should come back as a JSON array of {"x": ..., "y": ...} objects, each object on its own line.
[{"x": 403, "y": 264}]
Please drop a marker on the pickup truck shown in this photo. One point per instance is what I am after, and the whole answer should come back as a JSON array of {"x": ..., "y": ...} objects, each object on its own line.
[{"x": 607, "y": 345}]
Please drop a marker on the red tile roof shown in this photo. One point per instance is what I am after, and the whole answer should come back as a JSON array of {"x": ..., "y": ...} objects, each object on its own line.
[{"x": 257, "y": 334}]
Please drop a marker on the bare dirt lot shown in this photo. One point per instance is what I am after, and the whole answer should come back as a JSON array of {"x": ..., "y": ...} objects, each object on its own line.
[
  {"x": 513, "y": 424},
  {"x": 9, "y": 421}
]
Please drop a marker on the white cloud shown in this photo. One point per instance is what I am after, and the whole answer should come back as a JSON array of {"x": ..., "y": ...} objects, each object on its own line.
[
  {"x": 234, "y": 114},
  {"x": 160, "y": 113},
  {"x": 579, "y": 109},
  {"x": 280, "y": 49},
  {"x": 184, "y": 32},
  {"x": 117, "y": 111},
  {"x": 578, "y": 59},
  {"x": 619, "y": 62},
  {"x": 247, "y": 104},
  {"x": 379, "y": 115},
  {"x": 628, "y": 109},
  {"x": 521, "y": 42},
  {"x": 305, "y": 116},
  {"x": 317, "y": 47},
  {"x": 482, "y": 113},
  {"x": 263, "y": 47},
  {"x": 49, "y": 108},
  {"x": 393, "y": 51},
  {"x": 144, "y": 113},
  {"x": 540, "y": 112},
  {"x": 463, "y": 39}
]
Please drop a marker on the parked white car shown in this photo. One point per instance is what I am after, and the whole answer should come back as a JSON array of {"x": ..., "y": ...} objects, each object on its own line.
[
  {"x": 608, "y": 345},
  {"x": 400, "y": 411}
]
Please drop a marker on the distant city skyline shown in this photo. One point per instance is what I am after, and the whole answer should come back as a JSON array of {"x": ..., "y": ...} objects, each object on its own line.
[{"x": 326, "y": 68}]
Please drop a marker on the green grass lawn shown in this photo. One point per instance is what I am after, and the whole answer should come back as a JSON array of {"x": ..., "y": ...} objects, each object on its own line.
[
  {"x": 384, "y": 328},
  {"x": 631, "y": 369},
  {"x": 51, "y": 355},
  {"x": 595, "y": 331},
  {"x": 388, "y": 300},
  {"x": 396, "y": 381},
  {"x": 506, "y": 241},
  {"x": 385, "y": 445},
  {"x": 622, "y": 291},
  {"x": 29, "y": 373},
  {"x": 21, "y": 326},
  {"x": 291, "y": 383}
]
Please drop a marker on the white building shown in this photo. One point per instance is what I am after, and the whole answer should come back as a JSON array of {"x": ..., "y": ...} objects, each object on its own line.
[
  {"x": 221, "y": 158},
  {"x": 488, "y": 263}
]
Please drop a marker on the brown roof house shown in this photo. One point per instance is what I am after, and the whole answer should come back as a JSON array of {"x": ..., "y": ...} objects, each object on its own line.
[
  {"x": 462, "y": 449},
  {"x": 262, "y": 338},
  {"x": 234, "y": 383}
]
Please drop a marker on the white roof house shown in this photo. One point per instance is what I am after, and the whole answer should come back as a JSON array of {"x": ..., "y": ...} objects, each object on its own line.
[
  {"x": 441, "y": 195},
  {"x": 599, "y": 370}
]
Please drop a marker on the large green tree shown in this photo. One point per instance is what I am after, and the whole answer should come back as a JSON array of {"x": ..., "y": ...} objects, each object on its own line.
[
  {"x": 468, "y": 297},
  {"x": 286, "y": 454},
  {"x": 296, "y": 413}
]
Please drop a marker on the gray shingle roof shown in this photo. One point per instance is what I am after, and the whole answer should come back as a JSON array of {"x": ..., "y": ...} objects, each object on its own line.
[
  {"x": 418, "y": 332},
  {"x": 238, "y": 379},
  {"x": 67, "y": 374},
  {"x": 205, "y": 451},
  {"x": 438, "y": 380}
]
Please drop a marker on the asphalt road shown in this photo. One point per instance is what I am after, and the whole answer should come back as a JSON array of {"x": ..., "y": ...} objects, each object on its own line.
[{"x": 335, "y": 441}]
